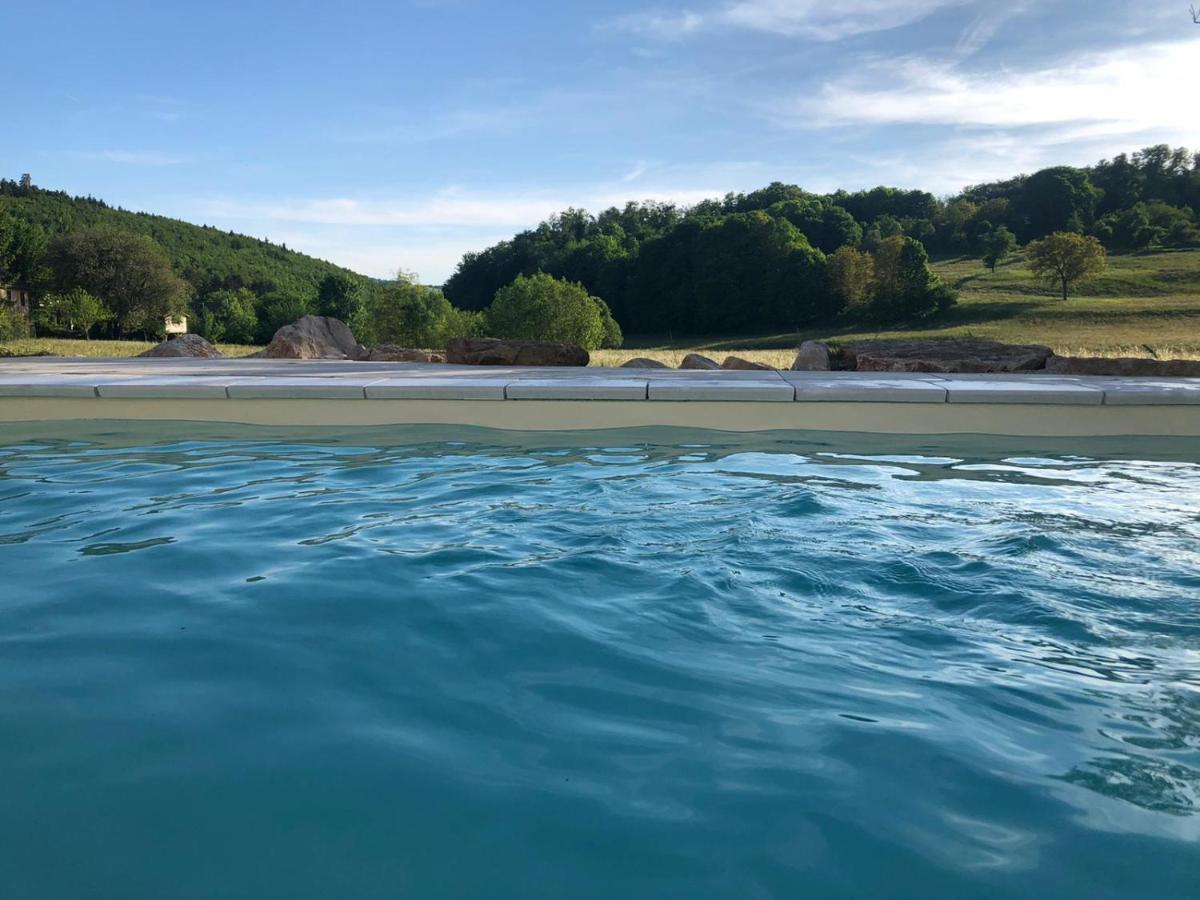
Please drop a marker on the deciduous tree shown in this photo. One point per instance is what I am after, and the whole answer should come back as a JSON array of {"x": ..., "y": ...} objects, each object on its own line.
[
  {"x": 1065, "y": 260},
  {"x": 998, "y": 245},
  {"x": 129, "y": 272}
]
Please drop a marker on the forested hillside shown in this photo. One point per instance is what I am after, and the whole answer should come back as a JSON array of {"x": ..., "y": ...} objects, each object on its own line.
[
  {"x": 770, "y": 258},
  {"x": 777, "y": 259},
  {"x": 207, "y": 258}
]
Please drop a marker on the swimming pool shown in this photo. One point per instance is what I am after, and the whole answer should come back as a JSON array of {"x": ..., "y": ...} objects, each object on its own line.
[{"x": 411, "y": 663}]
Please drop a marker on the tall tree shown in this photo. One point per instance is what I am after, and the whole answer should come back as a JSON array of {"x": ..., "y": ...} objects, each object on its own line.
[{"x": 129, "y": 272}]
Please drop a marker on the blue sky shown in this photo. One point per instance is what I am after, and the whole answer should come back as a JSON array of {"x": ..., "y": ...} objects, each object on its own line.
[{"x": 388, "y": 135}]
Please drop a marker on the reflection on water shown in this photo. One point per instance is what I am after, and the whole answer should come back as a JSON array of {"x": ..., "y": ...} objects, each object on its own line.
[{"x": 412, "y": 664}]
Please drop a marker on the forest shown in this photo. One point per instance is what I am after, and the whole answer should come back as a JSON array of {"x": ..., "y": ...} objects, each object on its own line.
[{"x": 778, "y": 258}]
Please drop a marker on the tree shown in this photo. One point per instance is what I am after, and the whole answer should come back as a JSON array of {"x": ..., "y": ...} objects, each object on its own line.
[
  {"x": 129, "y": 272},
  {"x": 850, "y": 275},
  {"x": 410, "y": 314},
  {"x": 542, "y": 307},
  {"x": 1065, "y": 260},
  {"x": 998, "y": 245},
  {"x": 73, "y": 312},
  {"x": 229, "y": 316},
  {"x": 904, "y": 286},
  {"x": 341, "y": 297},
  {"x": 277, "y": 309}
]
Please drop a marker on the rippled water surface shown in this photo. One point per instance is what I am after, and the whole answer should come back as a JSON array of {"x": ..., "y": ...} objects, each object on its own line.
[{"x": 636, "y": 666}]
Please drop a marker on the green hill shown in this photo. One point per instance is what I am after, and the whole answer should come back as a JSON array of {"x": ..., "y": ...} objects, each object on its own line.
[{"x": 207, "y": 258}]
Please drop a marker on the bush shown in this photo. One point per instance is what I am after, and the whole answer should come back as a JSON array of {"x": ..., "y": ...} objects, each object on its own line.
[
  {"x": 544, "y": 308},
  {"x": 74, "y": 312},
  {"x": 12, "y": 325}
]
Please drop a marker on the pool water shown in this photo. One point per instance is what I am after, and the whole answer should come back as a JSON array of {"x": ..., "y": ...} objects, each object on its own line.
[{"x": 626, "y": 665}]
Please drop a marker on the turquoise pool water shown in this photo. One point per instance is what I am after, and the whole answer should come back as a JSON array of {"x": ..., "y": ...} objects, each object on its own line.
[{"x": 624, "y": 666}]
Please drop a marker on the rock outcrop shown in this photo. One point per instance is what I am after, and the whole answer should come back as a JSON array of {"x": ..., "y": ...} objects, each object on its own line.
[
  {"x": 394, "y": 353},
  {"x": 1124, "y": 365},
  {"x": 186, "y": 346},
  {"x": 813, "y": 357},
  {"x": 941, "y": 356},
  {"x": 496, "y": 352},
  {"x": 314, "y": 337},
  {"x": 644, "y": 362},
  {"x": 698, "y": 361},
  {"x": 736, "y": 362}
]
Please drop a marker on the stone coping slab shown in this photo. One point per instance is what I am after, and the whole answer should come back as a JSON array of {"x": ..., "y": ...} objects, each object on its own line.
[{"x": 186, "y": 379}]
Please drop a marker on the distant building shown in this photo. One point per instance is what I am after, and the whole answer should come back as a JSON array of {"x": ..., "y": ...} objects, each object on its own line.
[
  {"x": 174, "y": 326},
  {"x": 17, "y": 297}
]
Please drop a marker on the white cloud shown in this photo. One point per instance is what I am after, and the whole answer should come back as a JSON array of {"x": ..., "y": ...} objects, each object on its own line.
[
  {"x": 132, "y": 157},
  {"x": 1131, "y": 90},
  {"x": 823, "y": 20}
]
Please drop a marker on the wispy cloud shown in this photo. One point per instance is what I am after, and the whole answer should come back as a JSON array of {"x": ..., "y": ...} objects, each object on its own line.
[
  {"x": 133, "y": 157},
  {"x": 985, "y": 26},
  {"x": 1134, "y": 89},
  {"x": 822, "y": 20}
]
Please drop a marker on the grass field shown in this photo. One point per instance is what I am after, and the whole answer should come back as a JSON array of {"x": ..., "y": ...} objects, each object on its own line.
[{"x": 1144, "y": 305}]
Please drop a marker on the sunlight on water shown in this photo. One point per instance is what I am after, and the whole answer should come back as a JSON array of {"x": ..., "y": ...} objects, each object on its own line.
[{"x": 618, "y": 666}]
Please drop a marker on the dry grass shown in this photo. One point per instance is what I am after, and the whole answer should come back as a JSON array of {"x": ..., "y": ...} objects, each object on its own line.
[
  {"x": 777, "y": 359},
  {"x": 97, "y": 349}
]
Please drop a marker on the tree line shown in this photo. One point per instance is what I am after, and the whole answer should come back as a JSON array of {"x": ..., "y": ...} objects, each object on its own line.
[
  {"x": 776, "y": 258},
  {"x": 785, "y": 258}
]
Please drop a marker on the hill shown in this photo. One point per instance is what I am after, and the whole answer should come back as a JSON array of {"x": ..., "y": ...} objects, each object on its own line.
[{"x": 207, "y": 258}]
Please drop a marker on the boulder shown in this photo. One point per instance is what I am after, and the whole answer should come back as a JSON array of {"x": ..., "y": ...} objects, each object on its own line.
[
  {"x": 496, "y": 352},
  {"x": 644, "y": 362},
  {"x": 813, "y": 357},
  {"x": 941, "y": 356},
  {"x": 736, "y": 362},
  {"x": 314, "y": 337},
  {"x": 698, "y": 361},
  {"x": 1123, "y": 365},
  {"x": 186, "y": 346},
  {"x": 394, "y": 353}
]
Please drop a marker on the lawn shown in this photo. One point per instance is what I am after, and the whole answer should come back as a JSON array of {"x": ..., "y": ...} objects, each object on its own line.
[{"x": 1144, "y": 305}]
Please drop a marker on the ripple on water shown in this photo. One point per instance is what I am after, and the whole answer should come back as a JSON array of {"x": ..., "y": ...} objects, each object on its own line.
[{"x": 309, "y": 668}]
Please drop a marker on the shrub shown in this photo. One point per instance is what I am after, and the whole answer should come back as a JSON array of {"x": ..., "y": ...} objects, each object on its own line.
[
  {"x": 74, "y": 312},
  {"x": 544, "y": 308}
]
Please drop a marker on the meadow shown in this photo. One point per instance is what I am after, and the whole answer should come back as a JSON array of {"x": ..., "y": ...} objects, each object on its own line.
[{"x": 1144, "y": 305}]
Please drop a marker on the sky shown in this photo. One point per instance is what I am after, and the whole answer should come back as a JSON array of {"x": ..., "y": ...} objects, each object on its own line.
[{"x": 399, "y": 134}]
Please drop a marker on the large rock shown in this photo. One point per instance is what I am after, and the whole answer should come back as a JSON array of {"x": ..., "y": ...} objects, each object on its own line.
[
  {"x": 186, "y": 346},
  {"x": 941, "y": 356},
  {"x": 644, "y": 362},
  {"x": 698, "y": 361},
  {"x": 394, "y": 353},
  {"x": 1123, "y": 365},
  {"x": 314, "y": 337},
  {"x": 496, "y": 352},
  {"x": 736, "y": 362},
  {"x": 813, "y": 357}
]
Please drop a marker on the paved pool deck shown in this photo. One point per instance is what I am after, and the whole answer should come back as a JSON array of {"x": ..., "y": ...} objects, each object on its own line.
[{"x": 334, "y": 393}]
